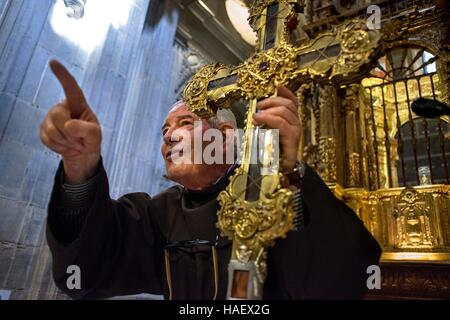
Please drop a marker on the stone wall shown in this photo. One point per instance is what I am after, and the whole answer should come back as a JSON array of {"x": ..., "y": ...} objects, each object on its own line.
[{"x": 124, "y": 67}]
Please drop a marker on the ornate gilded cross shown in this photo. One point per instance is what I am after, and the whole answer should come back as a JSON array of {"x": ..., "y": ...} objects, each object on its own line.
[{"x": 255, "y": 209}]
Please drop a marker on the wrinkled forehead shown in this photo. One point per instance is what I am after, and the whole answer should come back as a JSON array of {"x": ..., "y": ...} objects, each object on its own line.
[
  {"x": 180, "y": 105},
  {"x": 178, "y": 110}
]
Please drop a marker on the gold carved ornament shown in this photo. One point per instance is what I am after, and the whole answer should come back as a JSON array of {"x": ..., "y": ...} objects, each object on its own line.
[
  {"x": 260, "y": 75},
  {"x": 358, "y": 45},
  {"x": 195, "y": 91}
]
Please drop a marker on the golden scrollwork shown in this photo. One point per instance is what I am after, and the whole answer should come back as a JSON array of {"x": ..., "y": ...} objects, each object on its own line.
[
  {"x": 353, "y": 169},
  {"x": 195, "y": 92},
  {"x": 327, "y": 154},
  {"x": 261, "y": 73},
  {"x": 406, "y": 220},
  {"x": 412, "y": 221},
  {"x": 254, "y": 224},
  {"x": 358, "y": 44},
  {"x": 258, "y": 76},
  {"x": 257, "y": 9},
  {"x": 242, "y": 219},
  {"x": 374, "y": 221},
  {"x": 311, "y": 156}
]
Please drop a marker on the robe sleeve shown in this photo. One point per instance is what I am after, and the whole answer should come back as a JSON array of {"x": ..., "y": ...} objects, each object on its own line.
[
  {"x": 118, "y": 249},
  {"x": 329, "y": 258}
]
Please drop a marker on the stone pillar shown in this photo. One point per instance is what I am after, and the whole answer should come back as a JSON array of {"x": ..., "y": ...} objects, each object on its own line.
[
  {"x": 32, "y": 33},
  {"x": 136, "y": 161}
]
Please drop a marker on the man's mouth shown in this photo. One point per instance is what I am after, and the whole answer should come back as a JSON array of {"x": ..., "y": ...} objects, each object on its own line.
[
  {"x": 171, "y": 153},
  {"x": 168, "y": 156}
]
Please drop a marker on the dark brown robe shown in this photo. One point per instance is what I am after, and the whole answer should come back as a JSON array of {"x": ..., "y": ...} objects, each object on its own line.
[{"x": 120, "y": 249}]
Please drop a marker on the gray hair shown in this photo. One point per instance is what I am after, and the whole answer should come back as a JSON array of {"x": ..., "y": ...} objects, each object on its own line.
[{"x": 222, "y": 116}]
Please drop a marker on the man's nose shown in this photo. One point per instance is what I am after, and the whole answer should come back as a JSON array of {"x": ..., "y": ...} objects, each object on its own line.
[{"x": 171, "y": 137}]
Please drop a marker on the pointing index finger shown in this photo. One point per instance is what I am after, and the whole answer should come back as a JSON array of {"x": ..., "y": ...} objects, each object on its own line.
[{"x": 72, "y": 90}]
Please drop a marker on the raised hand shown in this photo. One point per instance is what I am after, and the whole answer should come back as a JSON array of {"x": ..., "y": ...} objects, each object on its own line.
[
  {"x": 71, "y": 129},
  {"x": 281, "y": 113}
]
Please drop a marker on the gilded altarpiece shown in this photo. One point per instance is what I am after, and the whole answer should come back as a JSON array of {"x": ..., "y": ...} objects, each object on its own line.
[
  {"x": 384, "y": 161},
  {"x": 356, "y": 80}
]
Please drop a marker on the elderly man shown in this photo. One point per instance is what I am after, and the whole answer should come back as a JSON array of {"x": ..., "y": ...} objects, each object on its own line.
[{"x": 121, "y": 245}]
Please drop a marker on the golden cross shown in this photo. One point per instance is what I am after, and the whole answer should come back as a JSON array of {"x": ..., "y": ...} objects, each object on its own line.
[{"x": 255, "y": 209}]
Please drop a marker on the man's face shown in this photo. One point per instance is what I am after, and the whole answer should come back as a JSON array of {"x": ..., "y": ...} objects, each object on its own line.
[{"x": 178, "y": 132}]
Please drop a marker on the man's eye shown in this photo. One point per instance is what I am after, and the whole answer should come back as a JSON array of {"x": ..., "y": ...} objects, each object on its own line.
[{"x": 186, "y": 122}]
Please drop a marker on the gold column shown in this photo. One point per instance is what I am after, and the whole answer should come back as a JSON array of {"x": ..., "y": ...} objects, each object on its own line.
[
  {"x": 327, "y": 140},
  {"x": 301, "y": 107},
  {"x": 352, "y": 146}
]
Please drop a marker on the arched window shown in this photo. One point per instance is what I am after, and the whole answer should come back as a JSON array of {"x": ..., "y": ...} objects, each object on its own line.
[
  {"x": 404, "y": 62},
  {"x": 404, "y": 148}
]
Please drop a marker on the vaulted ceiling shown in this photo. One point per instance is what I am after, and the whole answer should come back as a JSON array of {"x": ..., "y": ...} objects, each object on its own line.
[{"x": 205, "y": 26}]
